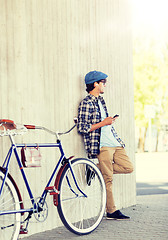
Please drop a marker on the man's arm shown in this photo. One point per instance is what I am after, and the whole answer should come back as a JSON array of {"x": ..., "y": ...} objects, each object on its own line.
[
  {"x": 84, "y": 121},
  {"x": 106, "y": 121}
]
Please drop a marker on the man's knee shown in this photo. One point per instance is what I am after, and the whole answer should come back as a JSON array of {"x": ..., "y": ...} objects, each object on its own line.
[{"x": 130, "y": 169}]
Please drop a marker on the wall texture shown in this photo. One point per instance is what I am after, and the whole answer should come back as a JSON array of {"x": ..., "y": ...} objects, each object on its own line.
[{"x": 46, "y": 48}]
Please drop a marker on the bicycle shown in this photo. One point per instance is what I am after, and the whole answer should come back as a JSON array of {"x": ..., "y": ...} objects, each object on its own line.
[{"x": 78, "y": 191}]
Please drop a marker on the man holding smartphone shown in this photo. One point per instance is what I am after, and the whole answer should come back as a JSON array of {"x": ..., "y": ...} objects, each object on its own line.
[{"x": 100, "y": 138}]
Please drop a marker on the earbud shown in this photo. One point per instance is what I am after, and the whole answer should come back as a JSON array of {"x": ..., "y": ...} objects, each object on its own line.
[{"x": 96, "y": 84}]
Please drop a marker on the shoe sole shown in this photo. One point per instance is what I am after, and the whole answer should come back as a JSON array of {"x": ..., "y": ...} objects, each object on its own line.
[{"x": 118, "y": 219}]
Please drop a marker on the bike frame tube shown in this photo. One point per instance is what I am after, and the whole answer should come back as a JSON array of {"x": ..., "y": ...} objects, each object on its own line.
[
  {"x": 54, "y": 172},
  {"x": 7, "y": 159},
  {"x": 24, "y": 176},
  {"x": 38, "y": 145},
  {"x": 8, "y": 156}
]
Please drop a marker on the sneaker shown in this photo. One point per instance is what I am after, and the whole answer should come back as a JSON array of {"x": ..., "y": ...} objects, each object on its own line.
[
  {"x": 117, "y": 215},
  {"x": 90, "y": 174}
]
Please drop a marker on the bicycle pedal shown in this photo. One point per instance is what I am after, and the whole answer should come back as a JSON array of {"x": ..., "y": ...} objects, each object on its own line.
[
  {"x": 52, "y": 190},
  {"x": 23, "y": 230},
  {"x": 54, "y": 193}
]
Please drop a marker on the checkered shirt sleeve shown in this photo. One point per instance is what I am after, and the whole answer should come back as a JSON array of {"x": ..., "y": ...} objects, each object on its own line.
[{"x": 89, "y": 114}]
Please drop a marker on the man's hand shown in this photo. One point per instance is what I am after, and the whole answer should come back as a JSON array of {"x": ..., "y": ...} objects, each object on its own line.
[
  {"x": 105, "y": 122},
  {"x": 109, "y": 120}
]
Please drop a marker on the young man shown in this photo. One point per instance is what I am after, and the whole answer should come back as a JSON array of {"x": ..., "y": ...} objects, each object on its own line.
[{"x": 100, "y": 138}]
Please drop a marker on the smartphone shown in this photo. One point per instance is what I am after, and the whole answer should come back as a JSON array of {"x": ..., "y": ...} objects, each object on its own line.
[{"x": 115, "y": 116}]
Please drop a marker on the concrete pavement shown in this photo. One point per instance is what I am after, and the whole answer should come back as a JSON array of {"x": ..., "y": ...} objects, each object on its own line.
[
  {"x": 149, "y": 221},
  {"x": 149, "y": 217}
]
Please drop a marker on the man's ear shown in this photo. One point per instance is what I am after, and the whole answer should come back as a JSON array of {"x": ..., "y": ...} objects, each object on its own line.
[{"x": 95, "y": 84}]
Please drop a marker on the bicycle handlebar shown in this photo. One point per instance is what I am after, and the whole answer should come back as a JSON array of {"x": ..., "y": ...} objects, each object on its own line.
[
  {"x": 10, "y": 125},
  {"x": 52, "y": 132},
  {"x": 30, "y": 127}
]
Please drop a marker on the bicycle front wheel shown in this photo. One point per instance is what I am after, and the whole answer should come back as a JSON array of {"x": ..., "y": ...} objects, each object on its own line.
[
  {"x": 81, "y": 205},
  {"x": 9, "y": 201}
]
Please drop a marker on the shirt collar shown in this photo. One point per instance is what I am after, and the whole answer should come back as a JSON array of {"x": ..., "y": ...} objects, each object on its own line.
[{"x": 95, "y": 99}]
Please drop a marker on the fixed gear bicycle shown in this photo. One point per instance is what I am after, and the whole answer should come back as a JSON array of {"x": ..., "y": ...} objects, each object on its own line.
[{"x": 78, "y": 191}]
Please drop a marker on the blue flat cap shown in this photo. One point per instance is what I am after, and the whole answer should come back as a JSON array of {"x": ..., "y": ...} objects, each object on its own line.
[{"x": 94, "y": 76}]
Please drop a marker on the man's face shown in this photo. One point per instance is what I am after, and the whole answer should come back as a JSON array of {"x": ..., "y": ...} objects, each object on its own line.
[{"x": 102, "y": 85}]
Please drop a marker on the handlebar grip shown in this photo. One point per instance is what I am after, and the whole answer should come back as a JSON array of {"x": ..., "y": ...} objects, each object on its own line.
[{"x": 30, "y": 126}]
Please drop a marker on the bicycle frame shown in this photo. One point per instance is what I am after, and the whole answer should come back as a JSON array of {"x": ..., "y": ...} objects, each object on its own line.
[{"x": 6, "y": 163}]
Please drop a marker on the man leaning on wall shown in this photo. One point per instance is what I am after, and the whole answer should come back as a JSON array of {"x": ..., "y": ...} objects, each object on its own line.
[{"x": 100, "y": 138}]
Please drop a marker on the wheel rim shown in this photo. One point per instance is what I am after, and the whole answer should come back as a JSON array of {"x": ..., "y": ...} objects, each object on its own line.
[
  {"x": 82, "y": 214},
  {"x": 9, "y": 201}
]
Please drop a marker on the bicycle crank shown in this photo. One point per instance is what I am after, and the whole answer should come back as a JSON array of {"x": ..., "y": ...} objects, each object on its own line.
[{"x": 41, "y": 210}]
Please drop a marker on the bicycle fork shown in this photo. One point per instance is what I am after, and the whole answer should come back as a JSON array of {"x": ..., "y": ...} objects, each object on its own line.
[
  {"x": 53, "y": 190},
  {"x": 77, "y": 195}
]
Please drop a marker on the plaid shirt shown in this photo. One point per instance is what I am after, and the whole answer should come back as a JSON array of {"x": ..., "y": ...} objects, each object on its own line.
[{"x": 89, "y": 114}]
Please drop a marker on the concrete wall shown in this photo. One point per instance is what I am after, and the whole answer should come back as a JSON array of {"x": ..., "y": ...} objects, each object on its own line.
[{"x": 46, "y": 48}]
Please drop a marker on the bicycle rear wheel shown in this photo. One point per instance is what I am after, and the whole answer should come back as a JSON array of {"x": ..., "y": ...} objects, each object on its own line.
[
  {"x": 9, "y": 223},
  {"x": 81, "y": 213}
]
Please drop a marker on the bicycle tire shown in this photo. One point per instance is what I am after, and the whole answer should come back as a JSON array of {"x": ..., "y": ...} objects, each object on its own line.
[
  {"x": 81, "y": 215},
  {"x": 9, "y": 200}
]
